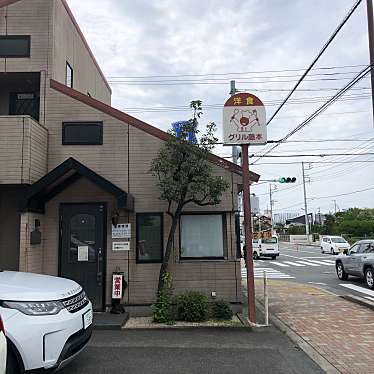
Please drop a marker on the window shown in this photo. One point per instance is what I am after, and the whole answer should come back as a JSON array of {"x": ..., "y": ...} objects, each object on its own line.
[
  {"x": 354, "y": 249},
  {"x": 273, "y": 240},
  {"x": 14, "y": 46},
  {"x": 149, "y": 237},
  {"x": 82, "y": 133},
  {"x": 69, "y": 75},
  {"x": 338, "y": 240},
  {"x": 201, "y": 236}
]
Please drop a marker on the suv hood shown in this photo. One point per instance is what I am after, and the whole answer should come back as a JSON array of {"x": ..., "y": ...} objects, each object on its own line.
[{"x": 16, "y": 286}]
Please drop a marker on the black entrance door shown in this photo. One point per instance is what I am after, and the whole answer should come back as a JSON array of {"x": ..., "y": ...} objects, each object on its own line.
[{"x": 82, "y": 248}]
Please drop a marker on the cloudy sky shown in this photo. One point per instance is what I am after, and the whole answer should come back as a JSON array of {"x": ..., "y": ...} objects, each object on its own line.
[{"x": 160, "y": 55}]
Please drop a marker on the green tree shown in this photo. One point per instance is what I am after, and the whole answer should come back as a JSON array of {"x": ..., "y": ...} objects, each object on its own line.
[{"x": 185, "y": 176}]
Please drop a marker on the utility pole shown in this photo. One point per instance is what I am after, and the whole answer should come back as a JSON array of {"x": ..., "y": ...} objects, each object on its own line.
[
  {"x": 305, "y": 206},
  {"x": 335, "y": 205},
  {"x": 271, "y": 208},
  {"x": 235, "y": 148},
  {"x": 369, "y": 9}
]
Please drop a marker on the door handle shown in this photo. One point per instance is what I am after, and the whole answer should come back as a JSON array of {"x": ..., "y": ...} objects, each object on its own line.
[{"x": 99, "y": 273}]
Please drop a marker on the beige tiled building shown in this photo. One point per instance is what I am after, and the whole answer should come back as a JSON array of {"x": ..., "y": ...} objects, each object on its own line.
[{"x": 71, "y": 166}]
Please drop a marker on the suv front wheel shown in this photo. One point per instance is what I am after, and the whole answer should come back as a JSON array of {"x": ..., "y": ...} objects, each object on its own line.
[
  {"x": 340, "y": 271},
  {"x": 369, "y": 278}
]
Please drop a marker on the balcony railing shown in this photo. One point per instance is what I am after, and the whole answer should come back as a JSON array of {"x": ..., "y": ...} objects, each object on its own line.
[{"x": 23, "y": 150}]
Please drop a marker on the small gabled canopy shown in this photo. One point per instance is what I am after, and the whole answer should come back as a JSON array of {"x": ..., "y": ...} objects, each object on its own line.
[{"x": 63, "y": 176}]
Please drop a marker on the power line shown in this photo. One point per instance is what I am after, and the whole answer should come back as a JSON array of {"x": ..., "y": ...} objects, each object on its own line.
[
  {"x": 322, "y": 108},
  {"x": 343, "y": 194},
  {"x": 314, "y": 162},
  {"x": 235, "y": 73},
  {"x": 332, "y": 37},
  {"x": 314, "y": 155}
]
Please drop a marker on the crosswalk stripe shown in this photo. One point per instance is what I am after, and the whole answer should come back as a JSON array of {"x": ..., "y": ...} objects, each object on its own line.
[
  {"x": 330, "y": 261},
  {"x": 321, "y": 262},
  {"x": 278, "y": 264},
  {"x": 307, "y": 263},
  {"x": 270, "y": 273},
  {"x": 293, "y": 263},
  {"x": 358, "y": 289}
]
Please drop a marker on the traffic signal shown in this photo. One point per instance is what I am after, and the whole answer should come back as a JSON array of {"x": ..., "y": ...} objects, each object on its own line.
[{"x": 287, "y": 180}]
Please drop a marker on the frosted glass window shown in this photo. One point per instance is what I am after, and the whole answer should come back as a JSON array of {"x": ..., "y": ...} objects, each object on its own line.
[{"x": 201, "y": 236}]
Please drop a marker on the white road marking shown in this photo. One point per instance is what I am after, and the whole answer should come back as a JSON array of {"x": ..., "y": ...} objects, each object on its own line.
[
  {"x": 369, "y": 298},
  {"x": 321, "y": 262},
  {"x": 292, "y": 263},
  {"x": 295, "y": 250},
  {"x": 318, "y": 283},
  {"x": 307, "y": 263},
  {"x": 321, "y": 257},
  {"x": 271, "y": 273},
  {"x": 358, "y": 289},
  {"x": 278, "y": 264}
]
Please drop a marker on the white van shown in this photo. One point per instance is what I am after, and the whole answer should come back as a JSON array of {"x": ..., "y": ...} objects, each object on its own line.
[{"x": 266, "y": 248}]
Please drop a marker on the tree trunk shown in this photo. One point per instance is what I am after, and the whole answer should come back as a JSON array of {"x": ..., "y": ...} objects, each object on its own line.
[{"x": 165, "y": 262}]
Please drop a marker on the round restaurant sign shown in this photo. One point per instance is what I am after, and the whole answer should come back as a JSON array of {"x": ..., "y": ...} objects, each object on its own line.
[{"x": 244, "y": 120}]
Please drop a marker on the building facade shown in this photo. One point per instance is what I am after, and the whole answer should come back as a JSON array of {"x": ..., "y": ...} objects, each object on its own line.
[{"x": 76, "y": 196}]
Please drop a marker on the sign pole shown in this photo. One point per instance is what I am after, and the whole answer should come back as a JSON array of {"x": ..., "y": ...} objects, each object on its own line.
[{"x": 248, "y": 235}]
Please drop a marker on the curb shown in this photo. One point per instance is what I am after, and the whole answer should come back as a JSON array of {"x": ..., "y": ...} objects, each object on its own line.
[
  {"x": 323, "y": 363},
  {"x": 359, "y": 300},
  {"x": 167, "y": 328}
]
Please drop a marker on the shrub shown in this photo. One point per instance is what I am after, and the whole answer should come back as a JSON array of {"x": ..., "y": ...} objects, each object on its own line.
[
  {"x": 192, "y": 306},
  {"x": 162, "y": 309},
  {"x": 221, "y": 310}
]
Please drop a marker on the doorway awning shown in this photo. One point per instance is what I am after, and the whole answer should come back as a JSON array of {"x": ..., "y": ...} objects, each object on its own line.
[{"x": 63, "y": 176}]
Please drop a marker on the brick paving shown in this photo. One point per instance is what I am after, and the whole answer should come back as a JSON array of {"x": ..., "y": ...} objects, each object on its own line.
[{"x": 341, "y": 331}]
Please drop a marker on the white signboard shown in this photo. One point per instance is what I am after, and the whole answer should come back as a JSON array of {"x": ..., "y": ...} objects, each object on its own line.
[
  {"x": 121, "y": 231},
  {"x": 117, "y": 286},
  {"x": 121, "y": 246},
  {"x": 244, "y": 120},
  {"x": 83, "y": 253}
]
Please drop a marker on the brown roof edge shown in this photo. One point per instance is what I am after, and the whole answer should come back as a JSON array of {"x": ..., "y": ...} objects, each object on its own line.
[
  {"x": 71, "y": 15},
  {"x": 137, "y": 123},
  {"x": 7, "y": 2}
]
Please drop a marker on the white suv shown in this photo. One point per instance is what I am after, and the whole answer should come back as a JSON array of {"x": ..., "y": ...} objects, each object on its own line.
[
  {"x": 48, "y": 320},
  {"x": 2, "y": 348}
]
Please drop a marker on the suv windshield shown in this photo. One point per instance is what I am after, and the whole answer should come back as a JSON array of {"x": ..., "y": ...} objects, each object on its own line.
[
  {"x": 338, "y": 240},
  {"x": 269, "y": 241}
]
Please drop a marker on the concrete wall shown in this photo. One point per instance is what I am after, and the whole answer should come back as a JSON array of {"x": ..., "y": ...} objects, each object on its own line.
[
  {"x": 31, "y": 255},
  {"x": 23, "y": 150},
  {"x": 69, "y": 46}
]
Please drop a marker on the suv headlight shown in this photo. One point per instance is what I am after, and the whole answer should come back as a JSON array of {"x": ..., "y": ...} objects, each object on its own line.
[{"x": 35, "y": 308}]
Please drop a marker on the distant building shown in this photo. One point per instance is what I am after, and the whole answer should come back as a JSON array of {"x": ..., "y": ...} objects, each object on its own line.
[{"x": 300, "y": 220}]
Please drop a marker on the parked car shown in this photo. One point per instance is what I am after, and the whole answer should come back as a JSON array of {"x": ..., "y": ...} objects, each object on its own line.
[
  {"x": 48, "y": 320},
  {"x": 266, "y": 248},
  {"x": 333, "y": 244},
  {"x": 3, "y": 348},
  {"x": 357, "y": 261}
]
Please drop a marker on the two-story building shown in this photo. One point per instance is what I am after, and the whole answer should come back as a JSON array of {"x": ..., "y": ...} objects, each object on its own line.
[{"x": 71, "y": 166}]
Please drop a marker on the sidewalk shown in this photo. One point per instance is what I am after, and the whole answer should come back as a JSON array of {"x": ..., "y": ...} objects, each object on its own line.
[{"x": 340, "y": 331}]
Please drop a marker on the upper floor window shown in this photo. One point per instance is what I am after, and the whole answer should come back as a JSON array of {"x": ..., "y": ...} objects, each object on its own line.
[
  {"x": 82, "y": 133},
  {"x": 12, "y": 46},
  {"x": 69, "y": 75}
]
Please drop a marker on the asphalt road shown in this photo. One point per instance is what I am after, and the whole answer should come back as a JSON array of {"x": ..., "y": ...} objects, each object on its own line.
[
  {"x": 306, "y": 264},
  {"x": 192, "y": 351}
]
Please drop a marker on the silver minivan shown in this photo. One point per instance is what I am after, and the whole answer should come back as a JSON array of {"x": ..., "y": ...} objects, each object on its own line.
[{"x": 357, "y": 261}]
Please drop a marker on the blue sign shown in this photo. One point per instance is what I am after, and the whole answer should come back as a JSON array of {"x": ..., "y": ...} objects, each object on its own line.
[{"x": 178, "y": 128}]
